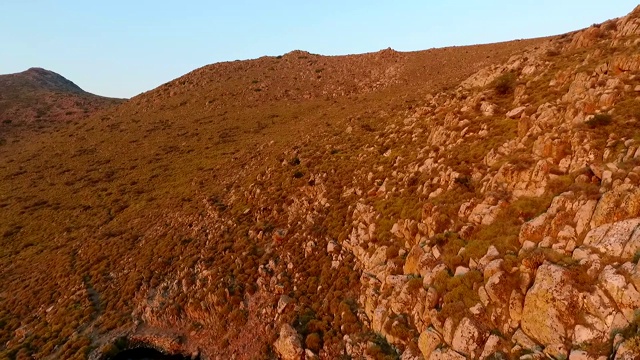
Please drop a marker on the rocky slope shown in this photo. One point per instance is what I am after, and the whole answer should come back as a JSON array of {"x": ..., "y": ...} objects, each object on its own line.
[
  {"x": 33, "y": 99},
  {"x": 378, "y": 206}
]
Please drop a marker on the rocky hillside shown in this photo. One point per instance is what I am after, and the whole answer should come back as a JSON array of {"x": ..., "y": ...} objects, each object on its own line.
[
  {"x": 34, "y": 99},
  {"x": 471, "y": 202}
]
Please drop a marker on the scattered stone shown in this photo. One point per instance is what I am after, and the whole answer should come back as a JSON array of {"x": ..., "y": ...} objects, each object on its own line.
[{"x": 288, "y": 344}]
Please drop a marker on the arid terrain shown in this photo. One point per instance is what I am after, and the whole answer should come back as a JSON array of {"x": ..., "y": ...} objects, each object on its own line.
[
  {"x": 34, "y": 100},
  {"x": 473, "y": 202}
]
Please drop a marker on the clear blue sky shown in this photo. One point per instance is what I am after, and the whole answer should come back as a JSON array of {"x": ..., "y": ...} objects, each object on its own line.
[{"x": 122, "y": 48}]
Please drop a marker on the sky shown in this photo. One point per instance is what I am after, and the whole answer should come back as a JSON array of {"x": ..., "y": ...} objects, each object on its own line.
[{"x": 122, "y": 48}]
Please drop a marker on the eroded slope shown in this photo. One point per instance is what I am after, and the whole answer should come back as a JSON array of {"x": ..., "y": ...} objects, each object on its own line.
[{"x": 340, "y": 206}]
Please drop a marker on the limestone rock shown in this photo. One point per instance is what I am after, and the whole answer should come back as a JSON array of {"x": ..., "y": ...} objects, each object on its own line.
[
  {"x": 446, "y": 354},
  {"x": 288, "y": 344},
  {"x": 619, "y": 204},
  {"x": 620, "y": 239},
  {"x": 628, "y": 350},
  {"x": 492, "y": 345},
  {"x": 467, "y": 338},
  {"x": 580, "y": 355},
  {"x": 625, "y": 295},
  {"x": 515, "y": 113},
  {"x": 411, "y": 354},
  {"x": 428, "y": 341},
  {"x": 549, "y": 306},
  {"x": 520, "y": 338},
  {"x": 497, "y": 288}
]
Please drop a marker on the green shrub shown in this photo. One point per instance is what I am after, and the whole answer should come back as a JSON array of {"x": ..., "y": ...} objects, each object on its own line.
[
  {"x": 505, "y": 83},
  {"x": 313, "y": 342},
  {"x": 599, "y": 120}
]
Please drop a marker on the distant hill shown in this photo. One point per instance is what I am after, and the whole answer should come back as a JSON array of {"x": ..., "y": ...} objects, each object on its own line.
[{"x": 36, "y": 97}]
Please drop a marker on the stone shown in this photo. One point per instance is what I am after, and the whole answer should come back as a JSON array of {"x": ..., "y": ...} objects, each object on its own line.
[
  {"x": 520, "y": 338},
  {"x": 492, "y": 268},
  {"x": 428, "y": 277},
  {"x": 491, "y": 346},
  {"x": 412, "y": 262},
  {"x": 528, "y": 245},
  {"x": 466, "y": 338},
  {"x": 448, "y": 330},
  {"x": 288, "y": 345},
  {"x": 283, "y": 302},
  {"x": 491, "y": 254},
  {"x": 625, "y": 295},
  {"x": 515, "y": 306},
  {"x": 620, "y": 239},
  {"x": 331, "y": 246},
  {"x": 309, "y": 355},
  {"x": 549, "y": 306},
  {"x": 556, "y": 351},
  {"x": 584, "y": 335},
  {"x": 619, "y": 204},
  {"x": 428, "y": 341},
  {"x": 517, "y": 112},
  {"x": 487, "y": 108},
  {"x": 580, "y": 355},
  {"x": 484, "y": 297},
  {"x": 496, "y": 290},
  {"x": 461, "y": 270},
  {"x": 446, "y": 354},
  {"x": 628, "y": 350},
  {"x": 411, "y": 353}
]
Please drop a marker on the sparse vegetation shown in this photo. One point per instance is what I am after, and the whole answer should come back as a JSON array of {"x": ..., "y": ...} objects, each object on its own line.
[
  {"x": 505, "y": 83},
  {"x": 599, "y": 120},
  {"x": 207, "y": 203}
]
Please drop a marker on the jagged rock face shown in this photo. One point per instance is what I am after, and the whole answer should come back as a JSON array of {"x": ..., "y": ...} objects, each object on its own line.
[{"x": 575, "y": 281}]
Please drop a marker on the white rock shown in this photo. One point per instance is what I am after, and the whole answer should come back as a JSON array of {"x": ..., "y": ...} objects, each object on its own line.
[
  {"x": 515, "y": 113},
  {"x": 466, "y": 338},
  {"x": 625, "y": 295},
  {"x": 584, "y": 335},
  {"x": 448, "y": 330},
  {"x": 461, "y": 270},
  {"x": 491, "y": 346}
]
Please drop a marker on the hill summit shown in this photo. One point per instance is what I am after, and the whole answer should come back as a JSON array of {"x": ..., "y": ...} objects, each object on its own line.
[
  {"x": 474, "y": 202},
  {"x": 37, "y": 98},
  {"x": 38, "y": 78}
]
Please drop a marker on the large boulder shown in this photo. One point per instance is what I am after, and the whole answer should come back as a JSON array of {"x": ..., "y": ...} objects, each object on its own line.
[
  {"x": 618, "y": 240},
  {"x": 550, "y": 306},
  {"x": 468, "y": 339},
  {"x": 288, "y": 345},
  {"x": 428, "y": 341},
  {"x": 619, "y": 204},
  {"x": 624, "y": 294}
]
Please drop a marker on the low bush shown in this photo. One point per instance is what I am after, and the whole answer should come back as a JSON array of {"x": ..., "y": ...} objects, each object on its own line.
[
  {"x": 505, "y": 83},
  {"x": 599, "y": 120}
]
